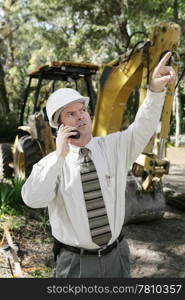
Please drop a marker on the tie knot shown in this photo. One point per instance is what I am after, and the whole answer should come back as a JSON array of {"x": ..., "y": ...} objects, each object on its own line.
[{"x": 83, "y": 151}]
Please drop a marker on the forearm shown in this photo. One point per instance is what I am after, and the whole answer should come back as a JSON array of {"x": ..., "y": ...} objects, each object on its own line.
[
  {"x": 145, "y": 124},
  {"x": 41, "y": 186}
]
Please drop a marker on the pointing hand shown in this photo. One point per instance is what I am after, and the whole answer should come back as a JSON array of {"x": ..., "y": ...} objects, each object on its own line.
[{"x": 162, "y": 75}]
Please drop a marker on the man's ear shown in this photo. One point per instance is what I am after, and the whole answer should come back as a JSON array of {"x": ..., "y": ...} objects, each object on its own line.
[{"x": 59, "y": 124}]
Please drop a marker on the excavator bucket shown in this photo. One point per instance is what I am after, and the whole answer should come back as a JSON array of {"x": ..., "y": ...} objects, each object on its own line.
[
  {"x": 144, "y": 192},
  {"x": 143, "y": 206}
]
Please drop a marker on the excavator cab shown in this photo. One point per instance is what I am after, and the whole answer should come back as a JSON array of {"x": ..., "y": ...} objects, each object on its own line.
[{"x": 35, "y": 138}]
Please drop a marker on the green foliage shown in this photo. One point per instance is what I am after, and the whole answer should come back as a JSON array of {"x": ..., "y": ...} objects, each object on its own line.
[
  {"x": 11, "y": 204},
  {"x": 44, "y": 222},
  {"x": 75, "y": 30},
  {"x": 42, "y": 272},
  {"x": 10, "y": 197},
  {"x": 16, "y": 223}
]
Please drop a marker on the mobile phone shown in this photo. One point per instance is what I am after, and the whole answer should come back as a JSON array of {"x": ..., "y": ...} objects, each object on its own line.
[{"x": 77, "y": 136}]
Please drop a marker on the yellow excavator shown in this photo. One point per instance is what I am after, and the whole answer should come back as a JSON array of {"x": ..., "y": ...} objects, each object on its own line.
[
  {"x": 130, "y": 72},
  {"x": 144, "y": 195}
]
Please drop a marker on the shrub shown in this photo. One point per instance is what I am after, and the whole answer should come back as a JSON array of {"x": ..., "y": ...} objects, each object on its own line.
[{"x": 10, "y": 197}]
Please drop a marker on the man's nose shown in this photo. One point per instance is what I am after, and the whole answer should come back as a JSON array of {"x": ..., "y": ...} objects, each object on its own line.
[{"x": 80, "y": 116}]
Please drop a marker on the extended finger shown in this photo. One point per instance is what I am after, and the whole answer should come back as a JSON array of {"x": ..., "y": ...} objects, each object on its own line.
[
  {"x": 164, "y": 60},
  {"x": 66, "y": 128},
  {"x": 68, "y": 135}
]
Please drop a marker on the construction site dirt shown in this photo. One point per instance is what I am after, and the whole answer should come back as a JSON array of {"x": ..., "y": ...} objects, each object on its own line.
[{"x": 157, "y": 247}]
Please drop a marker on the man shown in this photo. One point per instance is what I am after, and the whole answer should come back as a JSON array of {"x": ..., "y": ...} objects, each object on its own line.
[{"x": 83, "y": 181}]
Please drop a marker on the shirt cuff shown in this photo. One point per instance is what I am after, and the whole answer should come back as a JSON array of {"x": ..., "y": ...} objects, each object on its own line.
[
  {"x": 152, "y": 92},
  {"x": 156, "y": 96}
]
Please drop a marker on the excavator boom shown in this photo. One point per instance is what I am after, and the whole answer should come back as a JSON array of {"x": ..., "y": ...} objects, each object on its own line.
[{"x": 144, "y": 194}]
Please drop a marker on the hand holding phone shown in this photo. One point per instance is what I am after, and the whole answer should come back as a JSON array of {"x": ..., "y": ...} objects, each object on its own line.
[{"x": 62, "y": 141}]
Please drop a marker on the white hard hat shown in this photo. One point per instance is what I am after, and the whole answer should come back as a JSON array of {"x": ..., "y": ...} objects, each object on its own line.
[{"x": 60, "y": 99}]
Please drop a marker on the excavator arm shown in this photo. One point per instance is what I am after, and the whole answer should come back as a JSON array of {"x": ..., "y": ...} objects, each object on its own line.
[{"x": 120, "y": 78}]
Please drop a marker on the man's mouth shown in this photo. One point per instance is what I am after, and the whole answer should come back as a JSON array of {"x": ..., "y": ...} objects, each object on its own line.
[{"x": 81, "y": 125}]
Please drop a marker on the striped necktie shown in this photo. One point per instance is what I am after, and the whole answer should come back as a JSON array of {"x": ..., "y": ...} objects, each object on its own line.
[{"x": 97, "y": 215}]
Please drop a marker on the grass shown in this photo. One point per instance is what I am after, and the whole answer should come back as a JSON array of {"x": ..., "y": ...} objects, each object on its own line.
[
  {"x": 13, "y": 211},
  {"x": 16, "y": 223},
  {"x": 10, "y": 197},
  {"x": 41, "y": 272},
  {"x": 11, "y": 203}
]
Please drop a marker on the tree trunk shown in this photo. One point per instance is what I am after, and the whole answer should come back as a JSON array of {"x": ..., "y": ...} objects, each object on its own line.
[
  {"x": 176, "y": 10},
  {"x": 3, "y": 94}
]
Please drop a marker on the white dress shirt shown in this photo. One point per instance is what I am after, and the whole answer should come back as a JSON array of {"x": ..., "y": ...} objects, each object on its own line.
[{"x": 56, "y": 183}]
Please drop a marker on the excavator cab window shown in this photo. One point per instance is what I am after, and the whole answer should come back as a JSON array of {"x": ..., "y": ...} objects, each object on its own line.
[{"x": 48, "y": 78}]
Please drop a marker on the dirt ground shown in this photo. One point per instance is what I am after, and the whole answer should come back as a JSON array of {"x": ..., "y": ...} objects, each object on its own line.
[{"x": 157, "y": 247}]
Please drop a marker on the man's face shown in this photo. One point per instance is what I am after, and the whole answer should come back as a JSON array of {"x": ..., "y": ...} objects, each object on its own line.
[{"x": 76, "y": 115}]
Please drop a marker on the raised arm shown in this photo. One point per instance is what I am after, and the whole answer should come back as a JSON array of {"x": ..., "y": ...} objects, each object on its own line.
[{"x": 148, "y": 115}]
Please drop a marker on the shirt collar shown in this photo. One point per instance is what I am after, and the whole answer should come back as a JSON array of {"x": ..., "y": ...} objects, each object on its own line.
[{"x": 75, "y": 149}]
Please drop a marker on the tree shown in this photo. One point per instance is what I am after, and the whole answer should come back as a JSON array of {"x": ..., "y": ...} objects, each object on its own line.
[
  {"x": 77, "y": 30},
  {"x": 4, "y": 32}
]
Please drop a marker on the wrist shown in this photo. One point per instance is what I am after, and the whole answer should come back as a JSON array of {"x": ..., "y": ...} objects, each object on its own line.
[
  {"x": 153, "y": 90},
  {"x": 59, "y": 155}
]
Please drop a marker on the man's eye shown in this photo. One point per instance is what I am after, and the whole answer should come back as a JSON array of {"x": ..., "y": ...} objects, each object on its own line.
[{"x": 70, "y": 114}]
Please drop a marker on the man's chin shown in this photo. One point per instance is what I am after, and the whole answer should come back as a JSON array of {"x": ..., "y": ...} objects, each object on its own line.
[{"x": 84, "y": 132}]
